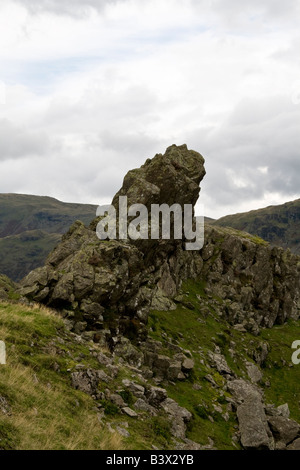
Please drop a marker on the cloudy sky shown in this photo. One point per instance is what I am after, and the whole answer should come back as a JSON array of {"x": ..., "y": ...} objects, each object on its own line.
[{"x": 90, "y": 89}]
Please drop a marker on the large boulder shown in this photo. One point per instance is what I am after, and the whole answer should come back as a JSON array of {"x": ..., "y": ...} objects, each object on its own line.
[
  {"x": 113, "y": 283},
  {"x": 170, "y": 178},
  {"x": 284, "y": 430},
  {"x": 253, "y": 425}
]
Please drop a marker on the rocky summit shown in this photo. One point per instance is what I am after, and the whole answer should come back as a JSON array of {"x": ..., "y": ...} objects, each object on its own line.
[
  {"x": 111, "y": 285},
  {"x": 188, "y": 347}
]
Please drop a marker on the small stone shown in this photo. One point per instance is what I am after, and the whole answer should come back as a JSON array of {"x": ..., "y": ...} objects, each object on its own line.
[
  {"x": 188, "y": 364},
  {"x": 294, "y": 445},
  {"x": 123, "y": 432},
  {"x": 4, "y": 406},
  {"x": 255, "y": 375},
  {"x": 141, "y": 405},
  {"x": 129, "y": 412},
  {"x": 283, "y": 429},
  {"x": 283, "y": 410},
  {"x": 196, "y": 387}
]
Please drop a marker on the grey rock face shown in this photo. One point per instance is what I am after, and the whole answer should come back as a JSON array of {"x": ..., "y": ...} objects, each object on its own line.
[
  {"x": 129, "y": 412},
  {"x": 141, "y": 405},
  {"x": 88, "y": 380},
  {"x": 253, "y": 425},
  {"x": 179, "y": 416},
  {"x": 284, "y": 430},
  {"x": 295, "y": 445},
  {"x": 219, "y": 362},
  {"x": 156, "y": 395},
  {"x": 254, "y": 373}
]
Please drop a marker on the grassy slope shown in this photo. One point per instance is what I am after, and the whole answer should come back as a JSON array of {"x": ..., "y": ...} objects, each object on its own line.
[
  {"x": 199, "y": 330},
  {"x": 31, "y": 226},
  {"x": 280, "y": 225},
  {"x": 46, "y": 413}
]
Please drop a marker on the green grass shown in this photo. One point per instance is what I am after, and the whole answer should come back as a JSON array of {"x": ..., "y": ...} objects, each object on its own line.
[
  {"x": 46, "y": 412},
  {"x": 282, "y": 374}
]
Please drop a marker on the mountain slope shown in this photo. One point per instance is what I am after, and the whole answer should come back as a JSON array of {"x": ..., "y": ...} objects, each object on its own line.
[
  {"x": 180, "y": 349},
  {"x": 31, "y": 226},
  {"x": 50, "y": 397},
  {"x": 279, "y": 225}
]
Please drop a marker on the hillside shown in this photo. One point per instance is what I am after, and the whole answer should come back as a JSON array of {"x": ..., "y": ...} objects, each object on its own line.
[
  {"x": 142, "y": 344},
  {"x": 198, "y": 343},
  {"x": 62, "y": 390},
  {"x": 279, "y": 225},
  {"x": 31, "y": 226}
]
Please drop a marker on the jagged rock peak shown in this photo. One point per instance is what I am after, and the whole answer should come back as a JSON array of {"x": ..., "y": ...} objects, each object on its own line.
[
  {"x": 170, "y": 178},
  {"x": 112, "y": 284}
]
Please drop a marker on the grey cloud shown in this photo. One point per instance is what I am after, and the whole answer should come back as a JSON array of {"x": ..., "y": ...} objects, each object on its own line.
[
  {"x": 65, "y": 7},
  {"x": 230, "y": 11},
  {"x": 17, "y": 142},
  {"x": 135, "y": 143},
  {"x": 252, "y": 15},
  {"x": 256, "y": 134},
  {"x": 289, "y": 52}
]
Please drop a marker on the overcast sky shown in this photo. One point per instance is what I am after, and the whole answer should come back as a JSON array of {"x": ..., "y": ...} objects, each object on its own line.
[{"x": 90, "y": 89}]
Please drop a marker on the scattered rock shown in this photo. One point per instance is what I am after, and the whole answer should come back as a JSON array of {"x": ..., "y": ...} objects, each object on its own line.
[
  {"x": 136, "y": 389},
  {"x": 243, "y": 390},
  {"x": 141, "y": 405},
  {"x": 129, "y": 412},
  {"x": 4, "y": 406},
  {"x": 104, "y": 360},
  {"x": 254, "y": 374},
  {"x": 88, "y": 380},
  {"x": 253, "y": 425},
  {"x": 284, "y": 429},
  {"x": 179, "y": 417},
  {"x": 219, "y": 362},
  {"x": 156, "y": 395},
  {"x": 123, "y": 432},
  {"x": 116, "y": 399},
  {"x": 284, "y": 410},
  {"x": 188, "y": 364}
]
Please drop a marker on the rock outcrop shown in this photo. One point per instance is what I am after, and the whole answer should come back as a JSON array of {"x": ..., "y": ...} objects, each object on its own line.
[{"x": 107, "y": 287}]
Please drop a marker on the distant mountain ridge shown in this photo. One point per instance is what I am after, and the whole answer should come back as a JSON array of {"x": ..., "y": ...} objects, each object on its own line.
[
  {"x": 22, "y": 212},
  {"x": 279, "y": 225},
  {"x": 31, "y": 226}
]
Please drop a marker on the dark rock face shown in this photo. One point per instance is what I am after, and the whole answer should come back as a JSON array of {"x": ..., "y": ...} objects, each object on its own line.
[
  {"x": 170, "y": 178},
  {"x": 112, "y": 284},
  {"x": 260, "y": 285}
]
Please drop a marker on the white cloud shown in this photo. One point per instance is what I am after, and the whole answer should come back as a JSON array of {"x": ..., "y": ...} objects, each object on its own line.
[{"x": 92, "y": 93}]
